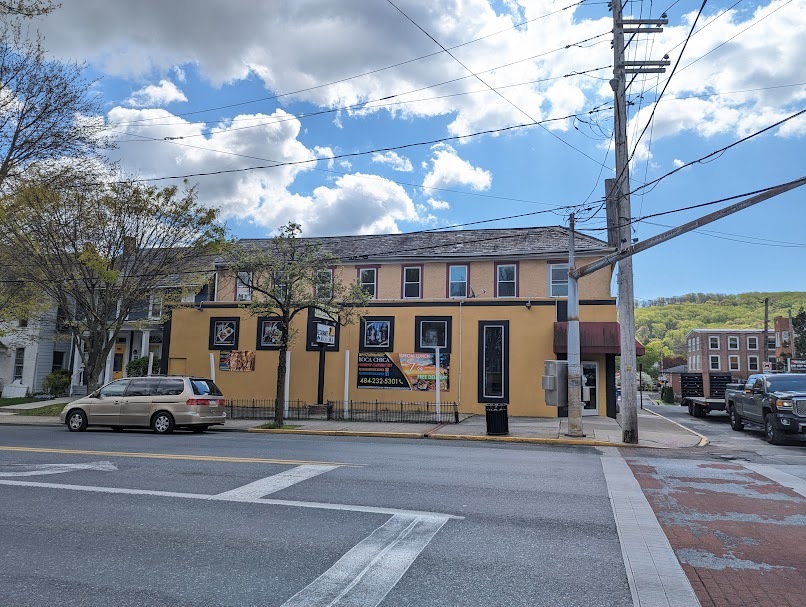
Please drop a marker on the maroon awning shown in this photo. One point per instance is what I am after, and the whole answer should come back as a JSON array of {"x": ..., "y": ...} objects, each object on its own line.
[{"x": 594, "y": 338}]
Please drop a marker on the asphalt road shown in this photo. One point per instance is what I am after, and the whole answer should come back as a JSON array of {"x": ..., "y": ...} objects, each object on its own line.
[
  {"x": 749, "y": 444},
  {"x": 353, "y": 521}
]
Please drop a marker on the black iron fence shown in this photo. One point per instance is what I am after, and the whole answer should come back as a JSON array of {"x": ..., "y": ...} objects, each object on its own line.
[{"x": 363, "y": 411}]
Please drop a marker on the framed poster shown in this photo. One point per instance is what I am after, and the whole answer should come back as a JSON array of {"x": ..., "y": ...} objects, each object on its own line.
[
  {"x": 377, "y": 334},
  {"x": 236, "y": 360},
  {"x": 268, "y": 332},
  {"x": 224, "y": 333},
  {"x": 431, "y": 332}
]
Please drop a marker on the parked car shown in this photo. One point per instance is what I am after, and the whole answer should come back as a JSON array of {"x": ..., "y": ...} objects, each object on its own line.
[
  {"x": 775, "y": 400},
  {"x": 156, "y": 402}
]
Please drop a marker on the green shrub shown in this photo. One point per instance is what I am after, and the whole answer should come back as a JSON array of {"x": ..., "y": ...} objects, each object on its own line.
[
  {"x": 667, "y": 394},
  {"x": 138, "y": 367},
  {"x": 57, "y": 382}
]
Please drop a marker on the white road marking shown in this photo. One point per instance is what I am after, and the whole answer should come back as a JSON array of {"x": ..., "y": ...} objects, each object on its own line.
[
  {"x": 797, "y": 484},
  {"x": 276, "y": 482},
  {"x": 216, "y": 498},
  {"x": 40, "y": 469},
  {"x": 655, "y": 576},
  {"x": 366, "y": 574}
]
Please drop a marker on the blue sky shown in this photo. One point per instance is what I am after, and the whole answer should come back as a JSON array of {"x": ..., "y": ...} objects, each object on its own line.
[{"x": 254, "y": 83}]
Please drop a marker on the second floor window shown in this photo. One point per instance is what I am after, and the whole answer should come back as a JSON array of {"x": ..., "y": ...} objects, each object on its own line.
[
  {"x": 559, "y": 280},
  {"x": 506, "y": 280},
  {"x": 243, "y": 287},
  {"x": 771, "y": 342},
  {"x": 733, "y": 342},
  {"x": 324, "y": 285},
  {"x": 368, "y": 277},
  {"x": 752, "y": 343},
  {"x": 714, "y": 363},
  {"x": 752, "y": 364},
  {"x": 412, "y": 284},
  {"x": 733, "y": 363},
  {"x": 280, "y": 281},
  {"x": 713, "y": 342},
  {"x": 457, "y": 281}
]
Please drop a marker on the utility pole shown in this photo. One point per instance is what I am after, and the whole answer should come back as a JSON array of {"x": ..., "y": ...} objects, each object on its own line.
[
  {"x": 766, "y": 330},
  {"x": 621, "y": 194},
  {"x": 574, "y": 354}
]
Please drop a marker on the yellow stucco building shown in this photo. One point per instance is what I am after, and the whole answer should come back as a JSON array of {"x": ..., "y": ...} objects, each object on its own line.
[{"x": 492, "y": 301}]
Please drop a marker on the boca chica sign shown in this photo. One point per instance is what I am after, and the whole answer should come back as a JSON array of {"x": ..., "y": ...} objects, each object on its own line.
[{"x": 399, "y": 371}]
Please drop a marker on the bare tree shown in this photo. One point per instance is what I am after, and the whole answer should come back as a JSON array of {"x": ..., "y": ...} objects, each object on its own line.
[
  {"x": 98, "y": 249},
  {"x": 46, "y": 110},
  {"x": 290, "y": 276}
]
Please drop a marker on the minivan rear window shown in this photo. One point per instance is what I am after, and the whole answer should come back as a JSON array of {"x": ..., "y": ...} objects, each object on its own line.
[
  {"x": 171, "y": 386},
  {"x": 204, "y": 387}
]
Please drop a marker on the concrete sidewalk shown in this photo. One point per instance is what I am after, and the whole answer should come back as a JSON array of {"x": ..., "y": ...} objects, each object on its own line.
[{"x": 654, "y": 430}]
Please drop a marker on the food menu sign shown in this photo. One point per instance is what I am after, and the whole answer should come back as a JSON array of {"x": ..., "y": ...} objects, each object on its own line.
[{"x": 398, "y": 371}]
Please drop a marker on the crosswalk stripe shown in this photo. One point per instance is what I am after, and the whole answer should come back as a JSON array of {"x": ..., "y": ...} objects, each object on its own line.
[
  {"x": 366, "y": 574},
  {"x": 276, "y": 482}
]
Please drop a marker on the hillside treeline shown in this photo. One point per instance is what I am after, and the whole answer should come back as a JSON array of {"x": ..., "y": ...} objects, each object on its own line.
[{"x": 662, "y": 324}]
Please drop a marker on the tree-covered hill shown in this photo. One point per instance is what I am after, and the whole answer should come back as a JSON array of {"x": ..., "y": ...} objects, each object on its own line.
[{"x": 664, "y": 322}]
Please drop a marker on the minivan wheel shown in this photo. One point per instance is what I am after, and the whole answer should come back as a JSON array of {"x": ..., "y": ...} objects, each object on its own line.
[
  {"x": 77, "y": 421},
  {"x": 162, "y": 423}
]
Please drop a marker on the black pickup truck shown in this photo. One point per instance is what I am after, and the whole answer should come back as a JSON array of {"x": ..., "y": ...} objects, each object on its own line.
[{"x": 777, "y": 401}]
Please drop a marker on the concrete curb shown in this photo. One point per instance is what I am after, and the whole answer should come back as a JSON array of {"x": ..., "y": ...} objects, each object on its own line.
[
  {"x": 704, "y": 440},
  {"x": 585, "y": 442},
  {"x": 339, "y": 433}
]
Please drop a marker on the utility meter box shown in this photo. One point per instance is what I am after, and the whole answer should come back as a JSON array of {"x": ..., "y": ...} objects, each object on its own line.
[{"x": 555, "y": 382}]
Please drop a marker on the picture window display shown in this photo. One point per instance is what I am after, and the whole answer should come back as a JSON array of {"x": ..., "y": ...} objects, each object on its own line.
[
  {"x": 377, "y": 333},
  {"x": 224, "y": 333},
  {"x": 432, "y": 332},
  {"x": 269, "y": 329}
]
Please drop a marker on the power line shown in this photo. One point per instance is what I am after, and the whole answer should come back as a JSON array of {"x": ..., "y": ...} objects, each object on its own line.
[
  {"x": 374, "y": 71},
  {"x": 363, "y": 153}
]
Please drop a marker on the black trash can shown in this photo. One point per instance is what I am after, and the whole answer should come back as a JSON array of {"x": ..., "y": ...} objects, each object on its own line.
[{"x": 497, "y": 420}]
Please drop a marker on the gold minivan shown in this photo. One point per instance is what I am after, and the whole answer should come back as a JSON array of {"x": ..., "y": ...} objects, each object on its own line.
[{"x": 161, "y": 403}]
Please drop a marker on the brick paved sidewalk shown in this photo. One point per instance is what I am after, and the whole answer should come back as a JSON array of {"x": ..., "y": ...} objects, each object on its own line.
[{"x": 740, "y": 537}]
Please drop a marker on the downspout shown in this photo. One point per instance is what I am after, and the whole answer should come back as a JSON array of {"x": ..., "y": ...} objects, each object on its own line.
[{"x": 459, "y": 394}]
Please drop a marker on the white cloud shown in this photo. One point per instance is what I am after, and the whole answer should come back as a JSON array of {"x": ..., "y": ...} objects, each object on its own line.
[
  {"x": 448, "y": 169},
  {"x": 394, "y": 160},
  {"x": 156, "y": 95},
  {"x": 678, "y": 163},
  {"x": 355, "y": 203},
  {"x": 438, "y": 204}
]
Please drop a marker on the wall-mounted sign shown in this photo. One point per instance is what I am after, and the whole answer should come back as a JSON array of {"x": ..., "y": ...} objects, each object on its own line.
[
  {"x": 229, "y": 360},
  {"x": 325, "y": 334},
  {"x": 397, "y": 371},
  {"x": 268, "y": 332},
  {"x": 797, "y": 365}
]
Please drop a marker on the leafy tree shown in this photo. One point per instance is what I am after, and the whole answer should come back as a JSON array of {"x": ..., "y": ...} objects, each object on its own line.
[
  {"x": 290, "y": 276},
  {"x": 97, "y": 247},
  {"x": 138, "y": 367}
]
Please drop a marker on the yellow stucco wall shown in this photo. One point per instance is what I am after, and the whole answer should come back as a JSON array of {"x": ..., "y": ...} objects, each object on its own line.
[{"x": 531, "y": 334}]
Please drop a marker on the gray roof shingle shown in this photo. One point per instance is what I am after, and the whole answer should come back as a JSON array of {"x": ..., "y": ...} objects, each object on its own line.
[{"x": 504, "y": 242}]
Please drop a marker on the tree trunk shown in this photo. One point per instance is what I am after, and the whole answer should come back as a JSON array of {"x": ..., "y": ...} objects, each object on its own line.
[{"x": 279, "y": 403}]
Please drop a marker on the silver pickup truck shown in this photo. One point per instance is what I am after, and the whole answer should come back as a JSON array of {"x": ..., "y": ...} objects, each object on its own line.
[{"x": 776, "y": 401}]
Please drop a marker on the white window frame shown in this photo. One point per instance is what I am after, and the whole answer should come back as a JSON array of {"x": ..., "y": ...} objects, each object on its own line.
[
  {"x": 154, "y": 306},
  {"x": 699, "y": 362},
  {"x": 499, "y": 282},
  {"x": 771, "y": 342},
  {"x": 777, "y": 339},
  {"x": 730, "y": 338},
  {"x": 711, "y": 366},
  {"x": 464, "y": 282},
  {"x": 752, "y": 364},
  {"x": 710, "y": 342},
  {"x": 558, "y": 283},
  {"x": 407, "y": 283},
  {"x": 697, "y": 346},
  {"x": 754, "y": 342},
  {"x": 374, "y": 294},
  {"x": 734, "y": 358},
  {"x": 243, "y": 292}
]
